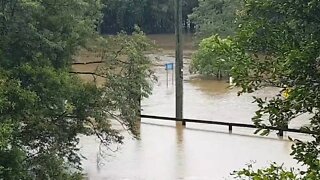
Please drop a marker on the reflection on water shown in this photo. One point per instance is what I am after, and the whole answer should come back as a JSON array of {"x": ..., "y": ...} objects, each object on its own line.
[
  {"x": 210, "y": 87},
  {"x": 180, "y": 155},
  {"x": 168, "y": 151}
]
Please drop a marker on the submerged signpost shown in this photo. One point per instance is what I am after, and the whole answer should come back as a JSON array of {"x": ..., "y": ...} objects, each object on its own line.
[
  {"x": 179, "y": 61},
  {"x": 169, "y": 66}
]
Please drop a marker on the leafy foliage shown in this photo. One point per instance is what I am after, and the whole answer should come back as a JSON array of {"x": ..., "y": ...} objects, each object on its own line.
[
  {"x": 287, "y": 33},
  {"x": 44, "y": 108},
  {"x": 127, "y": 74},
  {"x": 153, "y": 16},
  {"x": 212, "y": 57},
  {"x": 278, "y": 44},
  {"x": 273, "y": 172},
  {"x": 215, "y": 17}
]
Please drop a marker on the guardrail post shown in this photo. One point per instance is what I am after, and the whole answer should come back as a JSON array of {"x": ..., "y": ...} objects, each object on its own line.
[
  {"x": 230, "y": 128},
  {"x": 286, "y": 127},
  {"x": 280, "y": 133}
]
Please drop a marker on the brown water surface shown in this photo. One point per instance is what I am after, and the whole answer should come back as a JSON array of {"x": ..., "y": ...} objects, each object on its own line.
[{"x": 168, "y": 151}]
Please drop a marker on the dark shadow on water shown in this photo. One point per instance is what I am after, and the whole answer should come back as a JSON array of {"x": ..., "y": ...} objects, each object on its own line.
[
  {"x": 180, "y": 167},
  {"x": 211, "y": 87}
]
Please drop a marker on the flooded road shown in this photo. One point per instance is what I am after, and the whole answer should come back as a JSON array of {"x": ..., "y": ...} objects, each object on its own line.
[{"x": 168, "y": 151}]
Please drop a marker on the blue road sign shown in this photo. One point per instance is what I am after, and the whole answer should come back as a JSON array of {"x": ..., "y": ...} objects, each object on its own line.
[{"x": 169, "y": 66}]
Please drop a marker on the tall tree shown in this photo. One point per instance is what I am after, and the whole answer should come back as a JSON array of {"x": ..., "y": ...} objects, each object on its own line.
[
  {"x": 215, "y": 17},
  {"x": 43, "y": 107},
  {"x": 153, "y": 16},
  {"x": 287, "y": 35},
  {"x": 277, "y": 44},
  {"x": 187, "y": 9},
  {"x": 122, "y": 15}
]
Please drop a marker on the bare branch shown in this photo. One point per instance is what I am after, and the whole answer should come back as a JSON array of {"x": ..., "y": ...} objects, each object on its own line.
[
  {"x": 87, "y": 73},
  {"x": 85, "y": 63}
]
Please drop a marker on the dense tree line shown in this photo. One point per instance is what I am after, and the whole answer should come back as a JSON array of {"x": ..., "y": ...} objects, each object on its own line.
[
  {"x": 215, "y": 17},
  {"x": 153, "y": 16}
]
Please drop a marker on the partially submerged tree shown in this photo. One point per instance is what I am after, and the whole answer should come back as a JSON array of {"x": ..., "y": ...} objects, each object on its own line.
[
  {"x": 213, "y": 57},
  {"x": 43, "y": 107},
  {"x": 215, "y": 22}
]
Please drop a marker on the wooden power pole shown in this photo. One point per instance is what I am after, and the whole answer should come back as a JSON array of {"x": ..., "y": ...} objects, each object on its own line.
[{"x": 179, "y": 60}]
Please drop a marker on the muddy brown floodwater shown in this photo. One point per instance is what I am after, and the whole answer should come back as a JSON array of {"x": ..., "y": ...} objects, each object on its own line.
[{"x": 167, "y": 151}]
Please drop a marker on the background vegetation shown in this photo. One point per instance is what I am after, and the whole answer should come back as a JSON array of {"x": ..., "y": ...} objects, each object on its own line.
[
  {"x": 216, "y": 17},
  {"x": 156, "y": 16}
]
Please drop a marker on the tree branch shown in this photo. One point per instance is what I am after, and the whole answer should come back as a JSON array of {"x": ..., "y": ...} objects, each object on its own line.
[
  {"x": 87, "y": 73},
  {"x": 85, "y": 63}
]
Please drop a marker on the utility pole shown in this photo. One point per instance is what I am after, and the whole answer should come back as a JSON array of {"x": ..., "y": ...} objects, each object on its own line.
[{"x": 179, "y": 60}]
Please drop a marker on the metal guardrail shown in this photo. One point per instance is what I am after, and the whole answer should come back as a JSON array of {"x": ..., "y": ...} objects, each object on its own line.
[{"x": 229, "y": 124}]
